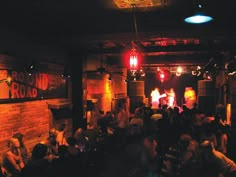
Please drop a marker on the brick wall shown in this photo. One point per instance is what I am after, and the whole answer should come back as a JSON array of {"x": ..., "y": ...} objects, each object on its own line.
[
  {"x": 100, "y": 88},
  {"x": 30, "y": 118}
]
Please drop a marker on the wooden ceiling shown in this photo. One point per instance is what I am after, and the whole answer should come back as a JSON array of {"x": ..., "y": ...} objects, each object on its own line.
[{"x": 162, "y": 34}]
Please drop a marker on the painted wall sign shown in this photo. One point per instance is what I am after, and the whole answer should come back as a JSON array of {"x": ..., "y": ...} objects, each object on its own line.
[{"x": 17, "y": 85}]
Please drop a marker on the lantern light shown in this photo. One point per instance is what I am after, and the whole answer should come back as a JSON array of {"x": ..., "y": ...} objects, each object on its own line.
[{"x": 133, "y": 60}]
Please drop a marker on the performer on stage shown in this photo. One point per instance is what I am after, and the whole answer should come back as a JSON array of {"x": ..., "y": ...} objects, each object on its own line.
[
  {"x": 155, "y": 94},
  {"x": 170, "y": 97},
  {"x": 190, "y": 97}
]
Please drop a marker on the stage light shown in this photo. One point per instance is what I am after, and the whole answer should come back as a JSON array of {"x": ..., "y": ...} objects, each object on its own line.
[
  {"x": 207, "y": 75},
  {"x": 162, "y": 76},
  {"x": 142, "y": 73},
  {"x": 179, "y": 71},
  {"x": 197, "y": 72}
]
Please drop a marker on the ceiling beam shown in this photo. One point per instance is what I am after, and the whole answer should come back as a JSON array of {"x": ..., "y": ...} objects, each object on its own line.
[
  {"x": 152, "y": 50},
  {"x": 199, "y": 59},
  {"x": 204, "y": 34}
]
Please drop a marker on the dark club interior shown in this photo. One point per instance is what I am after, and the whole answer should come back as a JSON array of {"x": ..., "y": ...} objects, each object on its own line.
[{"x": 128, "y": 88}]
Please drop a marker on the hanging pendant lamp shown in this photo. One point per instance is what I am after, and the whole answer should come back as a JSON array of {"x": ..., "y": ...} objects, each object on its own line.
[{"x": 199, "y": 16}]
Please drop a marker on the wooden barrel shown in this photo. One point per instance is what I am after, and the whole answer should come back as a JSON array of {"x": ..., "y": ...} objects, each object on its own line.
[{"x": 136, "y": 88}]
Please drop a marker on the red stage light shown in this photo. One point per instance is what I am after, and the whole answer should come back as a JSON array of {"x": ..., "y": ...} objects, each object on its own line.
[{"x": 163, "y": 75}]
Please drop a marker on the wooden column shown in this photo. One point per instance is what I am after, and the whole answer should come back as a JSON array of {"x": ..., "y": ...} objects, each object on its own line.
[{"x": 77, "y": 90}]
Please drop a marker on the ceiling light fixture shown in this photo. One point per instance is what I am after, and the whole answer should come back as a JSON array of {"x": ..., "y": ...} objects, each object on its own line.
[
  {"x": 134, "y": 56},
  {"x": 199, "y": 16}
]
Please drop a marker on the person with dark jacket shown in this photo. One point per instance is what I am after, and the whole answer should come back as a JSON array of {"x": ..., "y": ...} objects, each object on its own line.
[{"x": 38, "y": 165}]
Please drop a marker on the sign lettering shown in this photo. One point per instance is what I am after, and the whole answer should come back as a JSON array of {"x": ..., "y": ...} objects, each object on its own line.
[{"x": 20, "y": 85}]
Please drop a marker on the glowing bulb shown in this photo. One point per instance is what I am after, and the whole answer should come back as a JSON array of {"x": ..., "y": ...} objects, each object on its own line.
[
  {"x": 197, "y": 19},
  {"x": 162, "y": 76},
  {"x": 179, "y": 71},
  {"x": 133, "y": 60},
  {"x": 9, "y": 79}
]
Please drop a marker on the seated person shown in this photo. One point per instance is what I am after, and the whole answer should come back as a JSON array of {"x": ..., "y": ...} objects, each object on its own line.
[
  {"x": 60, "y": 136},
  {"x": 38, "y": 165},
  {"x": 12, "y": 160},
  {"x": 25, "y": 153},
  {"x": 51, "y": 143}
]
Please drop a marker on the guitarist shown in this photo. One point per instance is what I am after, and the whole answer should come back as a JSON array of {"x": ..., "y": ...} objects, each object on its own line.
[{"x": 155, "y": 94}]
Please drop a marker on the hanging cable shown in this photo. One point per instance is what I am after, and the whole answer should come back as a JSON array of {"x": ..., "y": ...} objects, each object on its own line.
[
  {"x": 135, "y": 22},
  {"x": 101, "y": 54}
]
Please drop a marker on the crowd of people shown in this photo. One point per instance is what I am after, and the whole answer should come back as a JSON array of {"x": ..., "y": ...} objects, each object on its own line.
[{"x": 153, "y": 143}]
